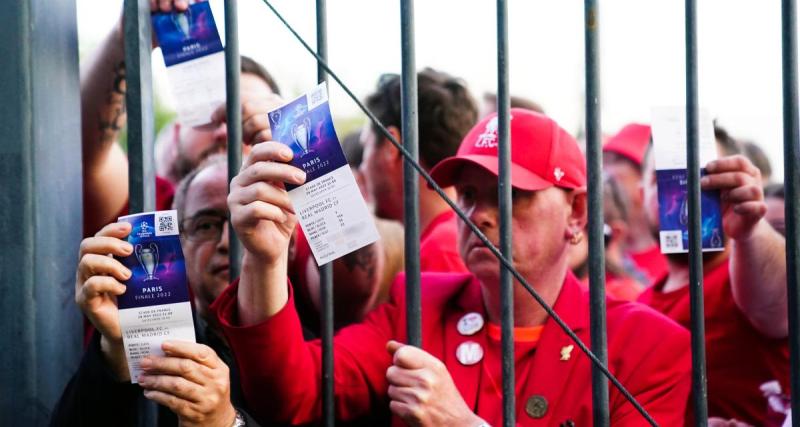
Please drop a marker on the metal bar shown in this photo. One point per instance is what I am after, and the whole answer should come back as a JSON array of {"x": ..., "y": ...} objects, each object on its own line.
[
  {"x": 325, "y": 271},
  {"x": 594, "y": 163},
  {"x": 40, "y": 207},
  {"x": 410, "y": 177},
  {"x": 791, "y": 158},
  {"x": 139, "y": 105},
  {"x": 699, "y": 392},
  {"x": 463, "y": 217},
  {"x": 234, "y": 119},
  {"x": 141, "y": 155},
  {"x": 505, "y": 205}
]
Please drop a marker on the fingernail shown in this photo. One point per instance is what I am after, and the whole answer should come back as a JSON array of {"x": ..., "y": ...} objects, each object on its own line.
[
  {"x": 704, "y": 180},
  {"x": 166, "y": 346},
  {"x": 127, "y": 273},
  {"x": 145, "y": 363},
  {"x": 142, "y": 379},
  {"x": 286, "y": 152},
  {"x": 300, "y": 176}
]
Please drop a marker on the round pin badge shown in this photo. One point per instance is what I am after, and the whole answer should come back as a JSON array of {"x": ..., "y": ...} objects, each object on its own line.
[
  {"x": 469, "y": 353},
  {"x": 470, "y": 324},
  {"x": 536, "y": 406}
]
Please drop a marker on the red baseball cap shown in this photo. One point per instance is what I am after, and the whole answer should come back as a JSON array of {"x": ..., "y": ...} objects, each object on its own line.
[
  {"x": 542, "y": 153},
  {"x": 630, "y": 142}
]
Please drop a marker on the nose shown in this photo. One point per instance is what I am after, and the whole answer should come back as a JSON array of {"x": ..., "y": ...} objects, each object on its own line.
[
  {"x": 221, "y": 133},
  {"x": 224, "y": 240},
  {"x": 483, "y": 214}
]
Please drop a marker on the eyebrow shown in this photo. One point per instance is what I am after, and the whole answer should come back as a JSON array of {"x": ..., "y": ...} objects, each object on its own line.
[{"x": 209, "y": 212}]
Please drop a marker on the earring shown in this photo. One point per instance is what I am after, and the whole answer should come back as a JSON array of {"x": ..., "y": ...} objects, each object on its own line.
[{"x": 577, "y": 237}]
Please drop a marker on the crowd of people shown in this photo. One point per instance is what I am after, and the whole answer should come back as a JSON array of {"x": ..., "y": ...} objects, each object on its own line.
[{"x": 257, "y": 360}]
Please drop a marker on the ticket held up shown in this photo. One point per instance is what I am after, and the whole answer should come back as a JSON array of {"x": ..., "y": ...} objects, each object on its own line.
[
  {"x": 155, "y": 307},
  {"x": 669, "y": 150},
  {"x": 330, "y": 207},
  {"x": 195, "y": 61}
]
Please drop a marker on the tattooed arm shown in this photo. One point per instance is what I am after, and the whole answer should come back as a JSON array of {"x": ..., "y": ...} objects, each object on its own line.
[
  {"x": 362, "y": 278},
  {"x": 105, "y": 164}
]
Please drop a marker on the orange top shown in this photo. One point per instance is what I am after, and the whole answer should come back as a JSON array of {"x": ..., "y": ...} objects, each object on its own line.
[{"x": 529, "y": 334}]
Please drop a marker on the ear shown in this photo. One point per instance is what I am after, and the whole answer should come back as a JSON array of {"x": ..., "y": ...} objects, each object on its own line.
[
  {"x": 576, "y": 220},
  {"x": 391, "y": 153}
]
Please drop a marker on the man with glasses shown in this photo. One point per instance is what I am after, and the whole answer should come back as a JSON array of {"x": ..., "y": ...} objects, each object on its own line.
[{"x": 197, "y": 384}]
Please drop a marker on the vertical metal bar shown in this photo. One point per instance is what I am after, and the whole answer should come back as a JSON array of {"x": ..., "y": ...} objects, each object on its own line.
[
  {"x": 325, "y": 271},
  {"x": 410, "y": 178},
  {"x": 139, "y": 104},
  {"x": 40, "y": 207},
  {"x": 234, "y": 118},
  {"x": 505, "y": 204},
  {"x": 141, "y": 155},
  {"x": 597, "y": 283},
  {"x": 699, "y": 392},
  {"x": 791, "y": 158}
]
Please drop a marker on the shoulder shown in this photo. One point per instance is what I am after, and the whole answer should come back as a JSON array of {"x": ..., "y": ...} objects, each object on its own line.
[
  {"x": 434, "y": 287},
  {"x": 625, "y": 315}
]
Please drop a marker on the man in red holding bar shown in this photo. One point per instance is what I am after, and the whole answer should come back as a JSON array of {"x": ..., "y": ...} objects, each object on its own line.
[{"x": 455, "y": 378}]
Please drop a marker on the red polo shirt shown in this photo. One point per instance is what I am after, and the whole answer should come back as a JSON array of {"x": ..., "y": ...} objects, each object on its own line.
[{"x": 738, "y": 357}]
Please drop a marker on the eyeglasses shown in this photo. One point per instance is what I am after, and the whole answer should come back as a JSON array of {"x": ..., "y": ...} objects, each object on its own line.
[{"x": 204, "y": 226}]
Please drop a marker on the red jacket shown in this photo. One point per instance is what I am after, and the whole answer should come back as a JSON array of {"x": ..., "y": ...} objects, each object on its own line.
[{"x": 281, "y": 373}]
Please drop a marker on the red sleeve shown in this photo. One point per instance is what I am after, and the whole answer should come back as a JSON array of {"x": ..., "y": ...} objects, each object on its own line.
[
  {"x": 281, "y": 373},
  {"x": 656, "y": 371}
]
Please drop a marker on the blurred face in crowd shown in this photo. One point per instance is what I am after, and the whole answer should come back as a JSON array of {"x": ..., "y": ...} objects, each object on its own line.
[
  {"x": 625, "y": 173},
  {"x": 205, "y": 235},
  {"x": 196, "y": 144},
  {"x": 650, "y": 193},
  {"x": 541, "y": 221},
  {"x": 381, "y": 168}
]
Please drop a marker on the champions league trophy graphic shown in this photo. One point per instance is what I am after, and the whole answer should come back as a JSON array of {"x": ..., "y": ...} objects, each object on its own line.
[
  {"x": 183, "y": 22},
  {"x": 301, "y": 133},
  {"x": 148, "y": 258},
  {"x": 684, "y": 218},
  {"x": 716, "y": 239}
]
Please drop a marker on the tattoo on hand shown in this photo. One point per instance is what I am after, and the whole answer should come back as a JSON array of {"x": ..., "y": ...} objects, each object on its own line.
[{"x": 112, "y": 116}]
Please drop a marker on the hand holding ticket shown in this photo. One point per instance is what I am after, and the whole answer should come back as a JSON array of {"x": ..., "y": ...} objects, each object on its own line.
[
  {"x": 155, "y": 306},
  {"x": 329, "y": 205}
]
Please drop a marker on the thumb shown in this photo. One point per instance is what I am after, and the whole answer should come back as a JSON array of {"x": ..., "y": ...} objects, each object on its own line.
[{"x": 392, "y": 346}]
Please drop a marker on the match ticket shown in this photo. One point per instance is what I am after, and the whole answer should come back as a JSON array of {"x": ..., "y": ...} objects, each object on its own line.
[
  {"x": 155, "y": 307},
  {"x": 330, "y": 206},
  {"x": 669, "y": 149},
  {"x": 195, "y": 61}
]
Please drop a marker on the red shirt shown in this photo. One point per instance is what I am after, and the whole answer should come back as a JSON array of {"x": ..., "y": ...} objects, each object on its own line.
[
  {"x": 738, "y": 357},
  {"x": 651, "y": 262},
  {"x": 438, "y": 245},
  {"x": 281, "y": 375}
]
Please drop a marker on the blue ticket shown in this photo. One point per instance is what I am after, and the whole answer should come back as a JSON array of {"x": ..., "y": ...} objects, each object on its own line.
[
  {"x": 330, "y": 207},
  {"x": 155, "y": 307},
  {"x": 195, "y": 60},
  {"x": 669, "y": 149}
]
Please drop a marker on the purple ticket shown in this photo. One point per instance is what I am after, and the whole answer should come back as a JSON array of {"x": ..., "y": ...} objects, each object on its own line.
[{"x": 155, "y": 306}]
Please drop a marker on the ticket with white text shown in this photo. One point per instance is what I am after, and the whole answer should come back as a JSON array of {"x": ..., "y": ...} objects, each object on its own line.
[
  {"x": 330, "y": 207},
  {"x": 155, "y": 307},
  {"x": 195, "y": 61}
]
